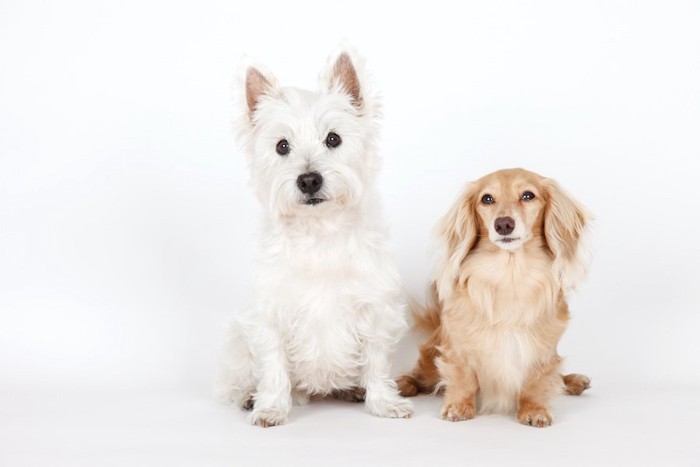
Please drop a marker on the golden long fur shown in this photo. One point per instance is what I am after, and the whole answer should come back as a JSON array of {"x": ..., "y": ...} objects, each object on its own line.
[{"x": 512, "y": 246}]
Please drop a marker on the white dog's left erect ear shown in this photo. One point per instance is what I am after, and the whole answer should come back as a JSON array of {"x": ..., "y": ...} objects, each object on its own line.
[{"x": 343, "y": 73}]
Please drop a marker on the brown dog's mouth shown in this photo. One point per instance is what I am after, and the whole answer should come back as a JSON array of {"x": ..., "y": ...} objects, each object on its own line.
[{"x": 508, "y": 239}]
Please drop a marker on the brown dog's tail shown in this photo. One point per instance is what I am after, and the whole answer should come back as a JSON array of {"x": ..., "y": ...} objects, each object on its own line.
[
  {"x": 426, "y": 318},
  {"x": 425, "y": 376}
]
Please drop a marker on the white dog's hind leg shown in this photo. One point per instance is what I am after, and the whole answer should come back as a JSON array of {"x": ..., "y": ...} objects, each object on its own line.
[
  {"x": 382, "y": 395},
  {"x": 300, "y": 397},
  {"x": 235, "y": 383}
]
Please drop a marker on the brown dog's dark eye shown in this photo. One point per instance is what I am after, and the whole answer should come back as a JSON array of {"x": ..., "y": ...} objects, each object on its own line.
[
  {"x": 487, "y": 199},
  {"x": 333, "y": 140},
  {"x": 527, "y": 196},
  {"x": 283, "y": 147}
]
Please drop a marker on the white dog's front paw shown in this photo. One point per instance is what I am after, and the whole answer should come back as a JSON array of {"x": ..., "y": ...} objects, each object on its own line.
[
  {"x": 391, "y": 408},
  {"x": 266, "y": 417}
]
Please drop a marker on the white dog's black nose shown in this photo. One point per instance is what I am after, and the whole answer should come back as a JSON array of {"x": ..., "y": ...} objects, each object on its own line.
[
  {"x": 310, "y": 182},
  {"x": 504, "y": 225}
]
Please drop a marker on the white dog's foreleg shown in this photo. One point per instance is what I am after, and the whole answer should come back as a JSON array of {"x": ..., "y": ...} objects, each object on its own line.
[
  {"x": 235, "y": 383},
  {"x": 273, "y": 395},
  {"x": 382, "y": 395}
]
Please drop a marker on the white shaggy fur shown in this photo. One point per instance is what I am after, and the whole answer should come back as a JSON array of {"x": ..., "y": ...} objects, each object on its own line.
[{"x": 327, "y": 304}]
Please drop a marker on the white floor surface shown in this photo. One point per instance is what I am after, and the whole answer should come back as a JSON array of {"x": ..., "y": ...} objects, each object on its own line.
[{"x": 607, "y": 426}]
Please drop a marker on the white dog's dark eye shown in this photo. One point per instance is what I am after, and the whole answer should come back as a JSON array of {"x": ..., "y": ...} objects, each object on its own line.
[
  {"x": 333, "y": 140},
  {"x": 527, "y": 196},
  {"x": 283, "y": 147},
  {"x": 487, "y": 199}
]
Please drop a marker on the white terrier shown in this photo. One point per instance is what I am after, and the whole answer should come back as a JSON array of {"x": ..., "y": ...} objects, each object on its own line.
[{"x": 328, "y": 306}]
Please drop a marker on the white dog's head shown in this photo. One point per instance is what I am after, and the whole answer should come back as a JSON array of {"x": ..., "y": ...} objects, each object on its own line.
[{"x": 310, "y": 153}]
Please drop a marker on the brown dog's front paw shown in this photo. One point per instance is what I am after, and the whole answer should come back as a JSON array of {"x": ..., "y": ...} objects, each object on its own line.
[
  {"x": 576, "y": 384},
  {"x": 408, "y": 387},
  {"x": 457, "y": 412},
  {"x": 539, "y": 417}
]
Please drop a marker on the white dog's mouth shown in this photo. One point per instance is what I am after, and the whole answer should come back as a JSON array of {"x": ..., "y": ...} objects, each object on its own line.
[
  {"x": 507, "y": 240},
  {"x": 313, "y": 201}
]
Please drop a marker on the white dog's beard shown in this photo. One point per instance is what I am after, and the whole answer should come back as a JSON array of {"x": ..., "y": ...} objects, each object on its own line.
[{"x": 339, "y": 192}]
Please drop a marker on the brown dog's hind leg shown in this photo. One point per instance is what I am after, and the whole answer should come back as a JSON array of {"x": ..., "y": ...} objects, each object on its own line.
[
  {"x": 576, "y": 383},
  {"x": 425, "y": 376}
]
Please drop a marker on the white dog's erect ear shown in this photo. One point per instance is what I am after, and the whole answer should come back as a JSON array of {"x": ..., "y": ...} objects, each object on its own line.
[
  {"x": 343, "y": 73},
  {"x": 257, "y": 84},
  {"x": 566, "y": 224},
  {"x": 457, "y": 232}
]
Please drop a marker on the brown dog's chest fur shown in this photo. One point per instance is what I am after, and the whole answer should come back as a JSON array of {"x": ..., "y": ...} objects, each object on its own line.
[{"x": 504, "y": 320}]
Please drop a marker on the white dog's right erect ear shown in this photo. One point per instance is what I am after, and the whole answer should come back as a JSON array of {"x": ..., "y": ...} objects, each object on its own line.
[
  {"x": 345, "y": 74},
  {"x": 257, "y": 84}
]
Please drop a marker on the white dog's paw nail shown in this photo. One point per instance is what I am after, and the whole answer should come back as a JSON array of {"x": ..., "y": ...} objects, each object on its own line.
[
  {"x": 395, "y": 408},
  {"x": 268, "y": 417}
]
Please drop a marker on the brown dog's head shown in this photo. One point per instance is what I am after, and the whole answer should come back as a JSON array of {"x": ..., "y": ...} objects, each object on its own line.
[{"x": 506, "y": 210}]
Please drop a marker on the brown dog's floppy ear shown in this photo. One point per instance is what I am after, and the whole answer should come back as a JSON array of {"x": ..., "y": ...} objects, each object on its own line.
[
  {"x": 566, "y": 224},
  {"x": 457, "y": 233}
]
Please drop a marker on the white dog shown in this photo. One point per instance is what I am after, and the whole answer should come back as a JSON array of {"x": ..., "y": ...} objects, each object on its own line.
[{"x": 328, "y": 306}]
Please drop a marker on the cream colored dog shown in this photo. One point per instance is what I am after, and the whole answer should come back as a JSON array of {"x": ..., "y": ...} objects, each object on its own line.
[{"x": 512, "y": 246}]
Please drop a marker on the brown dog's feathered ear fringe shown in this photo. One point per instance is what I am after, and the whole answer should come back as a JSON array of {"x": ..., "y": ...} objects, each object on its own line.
[
  {"x": 566, "y": 228},
  {"x": 457, "y": 234}
]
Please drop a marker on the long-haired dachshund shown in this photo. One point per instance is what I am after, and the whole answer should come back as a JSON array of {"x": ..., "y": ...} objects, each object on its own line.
[{"x": 511, "y": 247}]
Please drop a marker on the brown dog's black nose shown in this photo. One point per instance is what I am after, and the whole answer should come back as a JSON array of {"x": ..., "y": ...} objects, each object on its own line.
[
  {"x": 504, "y": 225},
  {"x": 310, "y": 182}
]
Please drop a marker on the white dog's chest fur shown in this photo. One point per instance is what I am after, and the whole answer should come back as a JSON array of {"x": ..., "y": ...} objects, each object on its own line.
[
  {"x": 323, "y": 348},
  {"x": 327, "y": 295}
]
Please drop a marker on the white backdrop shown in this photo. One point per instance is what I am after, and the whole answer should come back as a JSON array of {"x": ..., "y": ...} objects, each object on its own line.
[{"x": 127, "y": 222}]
